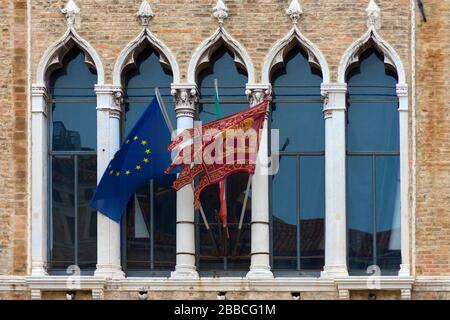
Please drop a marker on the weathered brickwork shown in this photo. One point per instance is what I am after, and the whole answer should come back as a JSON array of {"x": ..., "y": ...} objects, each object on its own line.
[
  {"x": 433, "y": 141},
  {"x": 332, "y": 25},
  {"x": 13, "y": 138},
  {"x": 184, "y": 25}
]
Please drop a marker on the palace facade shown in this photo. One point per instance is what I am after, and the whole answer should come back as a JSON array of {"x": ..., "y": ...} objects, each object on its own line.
[{"x": 356, "y": 204}]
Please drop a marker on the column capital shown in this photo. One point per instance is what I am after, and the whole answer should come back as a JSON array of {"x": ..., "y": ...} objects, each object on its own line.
[
  {"x": 333, "y": 87},
  {"x": 39, "y": 91},
  {"x": 402, "y": 90},
  {"x": 40, "y": 99},
  {"x": 257, "y": 92},
  {"x": 111, "y": 99},
  {"x": 186, "y": 97},
  {"x": 333, "y": 95}
]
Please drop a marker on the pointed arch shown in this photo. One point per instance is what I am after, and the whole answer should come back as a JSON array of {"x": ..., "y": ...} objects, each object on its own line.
[
  {"x": 275, "y": 58},
  {"x": 127, "y": 58},
  {"x": 54, "y": 55},
  {"x": 371, "y": 37},
  {"x": 203, "y": 53}
]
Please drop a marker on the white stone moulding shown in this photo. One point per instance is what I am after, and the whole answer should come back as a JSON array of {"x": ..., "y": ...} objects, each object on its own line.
[
  {"x": 288, "y": 284},
  {"x": 393, "y": 61},
  {"x": 127, "y": 57},
  {"x": 53, "y": 56},
  {"x": 275, "y": 57},
  {"x": 352, "y": 54},
  {"x": 50, "y": 61},
  {"x": 202, "y": 55}
]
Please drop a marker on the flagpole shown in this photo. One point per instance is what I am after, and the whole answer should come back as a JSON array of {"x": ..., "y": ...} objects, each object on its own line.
[
  {"x": 171, "y": 128},
  {"x": 241, "y": 220}
]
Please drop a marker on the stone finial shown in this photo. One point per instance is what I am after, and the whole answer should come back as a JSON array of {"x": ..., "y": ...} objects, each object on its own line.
[
  {"x": 145, "y": 13},
  {"x": 373, "y": 14},
  {"x": 71, "y": 11},
  {"x": 220, "y": 11},
  {"x": 295, "y": 11}
]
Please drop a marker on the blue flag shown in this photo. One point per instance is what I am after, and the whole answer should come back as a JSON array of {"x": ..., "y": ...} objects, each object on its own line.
[{"x": 142, "y": 156}]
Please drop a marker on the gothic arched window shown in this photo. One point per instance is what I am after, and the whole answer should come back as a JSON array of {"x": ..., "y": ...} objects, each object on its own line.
[
  {"x": 73, "y": 164},
  {"x": 149, "y": 227},
  {"x": 216, "y": 251},
  {"x": 298, "y": 189},
  {"x": 373, "y": 170}
]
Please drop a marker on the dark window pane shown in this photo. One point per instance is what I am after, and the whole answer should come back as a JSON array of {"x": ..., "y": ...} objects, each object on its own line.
[
  {"x": 359, "y": 212},
  {"x": 151, "y": 214},
  {"x": 231, "y": 82},
  {"x": 216, "y": 251},
  {"x": 140, "y": 87},
  {"x": 388, "y": 213},
  {"x": 373, "y": 199},
  {"x": 164, "y": 223},
  {"x": 312, "y": 212},
  {"x": 62, "y": 237},
  {"x": 87, "y": 217},
  {"x": 74, "y": 108},
  {"x": 284, "y": 215},
  {"x": 298, "y": 111},
  {"x": 298, "y": 188},
  {"x": 138, "y": 230},
  {"x": 373, "y": 110}
]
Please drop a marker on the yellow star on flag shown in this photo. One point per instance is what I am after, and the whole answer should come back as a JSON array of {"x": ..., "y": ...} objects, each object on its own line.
[
  {"x": 146, "y": 160},
  {"x": 148, "y": 151},
  {"x": 144, "y": 142},
  {"x": 138, "y": 167},
  {"x": 127, "y": 172},
  {"x": 135, "y": 138},
  {"x": 117, "y": 174}
]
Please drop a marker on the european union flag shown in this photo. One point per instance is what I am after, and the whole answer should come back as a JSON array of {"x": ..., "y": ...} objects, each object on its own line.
[{"x": 142, "y": 156}]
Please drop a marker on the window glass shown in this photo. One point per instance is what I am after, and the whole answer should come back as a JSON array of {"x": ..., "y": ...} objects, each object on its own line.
[
  {"x": 217, "y": 252},
  {"x": 73, "y": 165},
  {"x": 373, "y": 186},
  {"x": 63, "y": 214},
  {"x": 150, "y": 223},
  {"x": 73, "y": 111},
  {"x": 298, "y": 196}
]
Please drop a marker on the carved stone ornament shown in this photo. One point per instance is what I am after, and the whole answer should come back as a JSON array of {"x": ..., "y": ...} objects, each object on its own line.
[
  {"x": 295, "y": 11},
  {"x": 145, "y": 13},
  {"x": 220, "y": 11},
  {"x": 186, "y": 99},
  {"x": 72, "y": 12},
  {"x": 373, "y": 15},
  {"x": 257, "y": 94}
]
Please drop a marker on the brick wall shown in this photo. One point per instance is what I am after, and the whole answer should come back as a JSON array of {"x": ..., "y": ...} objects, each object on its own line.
[
  {"x": 13, "y": 138},
  {"x": 433, "y": 140},
  {"x": 182, "y": 25}
]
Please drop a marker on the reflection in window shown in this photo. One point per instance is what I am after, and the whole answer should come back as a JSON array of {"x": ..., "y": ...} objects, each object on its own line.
[
  {"x": 150, "y": 223},
  {"x": 373, "y": 181},
  {"x": 298, "y": 190},
  {"x": 73, "y": 165},
  {"x": 216, "y": 252}
]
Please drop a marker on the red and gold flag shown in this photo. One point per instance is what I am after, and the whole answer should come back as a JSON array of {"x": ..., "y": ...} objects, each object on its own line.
[{"x": 218, "y": 149}]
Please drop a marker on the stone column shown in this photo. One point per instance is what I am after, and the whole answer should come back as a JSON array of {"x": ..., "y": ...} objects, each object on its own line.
[
  {"x": 335, "y": 180},
  {"x": 260, "y": 225},
  {"x": 402, "y": 93},
  {"x": 186, "y": 98},
  {"x": 39, "y": 181},
  {"x": 109, "y": 108}
]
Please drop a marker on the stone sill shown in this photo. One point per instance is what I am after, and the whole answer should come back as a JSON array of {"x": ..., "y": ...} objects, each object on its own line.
[
  {"x": 288, "y": 284},
  {"x": 213, "y": 284}
]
